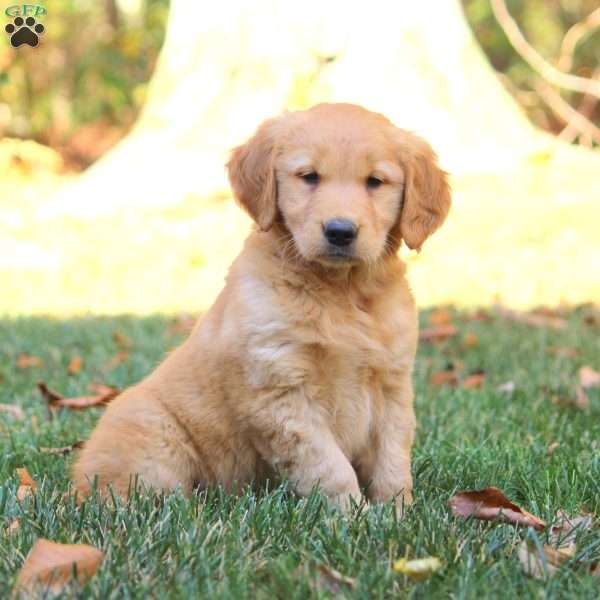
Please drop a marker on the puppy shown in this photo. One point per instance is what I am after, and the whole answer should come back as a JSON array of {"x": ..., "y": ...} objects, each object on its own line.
[{"x": 302, "y": 367}]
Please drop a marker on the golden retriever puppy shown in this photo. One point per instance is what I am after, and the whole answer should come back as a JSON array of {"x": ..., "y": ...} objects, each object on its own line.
[{"x": 302, "y": 367}]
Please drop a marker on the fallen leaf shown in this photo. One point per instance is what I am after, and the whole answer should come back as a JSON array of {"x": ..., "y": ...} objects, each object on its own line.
[
  {"x": 588, "y": 377},
  {"x": 565, "y": 528},
  {"x": 62, "y": 449},
  {"x": 581, "y": 398},
  {"x": 437, "y": 333},
  {"x": 542, "y": 563},
  {"x": 52, "y": 566},
  {"x": 122, "y": 341},
  {"x": 470, "y": 340},
  {"x": 55, "y": 400},
  {"x": 562, "y": 351},
  {"x": 548, "y": 311},
  {"x": 474, "y": 381},
  {"x": 551, "y": 448},
  {"x": 103, "y": 389},
  {"x": 576, "y": 399},
  {"x": 117, "y": 359},
  {"x": 419, "y": 568},
  {"x": 13, "y": 410},
  {"x": 507, "y": 388},
  {"x": 444, "y": 378},
  {"x": 439, "y": 316},
  {"x": 333, "y": 580},
  {"x": 480, "y": 315},
  {"x": 27, "y": 485},
  {"x": 182, "y": 324},
  {"x": 536, "y": 319},
  {"x": 75, "y": 365},
  {"x": 490, "y": 504},
  {"x": 28, "y": 361},
  {"x": 13, "y": 527}
]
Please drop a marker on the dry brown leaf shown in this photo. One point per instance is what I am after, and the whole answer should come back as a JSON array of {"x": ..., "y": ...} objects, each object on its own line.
[
  {"x": 480, "y": 315},
  {"x": 122, "y": 341},
  {"x": 63, "y": 449},
  {"x": 470, "y": 340},
  {"x": 560, "y": 549},
  {"x": 13, "y": 410},
  {"x": 55, "y": 400},
  {"x": 102, "y": 389},
  {"x": 444, "y": 378},
  {"x": 490, "y": 504},
  {"x": 52, "y": 566},
  {"x": 13, "y": 527},
  {"x": 474, "y": 381},
  {"x": 588, "y": 377},
  {"x": 419, "y": 568},
  {"x": 544, "y": 564},
  {"x": 548, "y": 311},
  {"x": 27, "y": 485},
  {"x": 333, "y": 580},
  {"x": 75, "y": 365},
  {"x": 182, "y": 324},
  {"x": 28, "y": 361},
  {"x": 437, "y": 333},
  {"x": 536, "y": 319},
  {"x": 581, "y": 398},
  {"x": 552, "y": 448},
  {"x": 439, "y": 316},
  {"x": 117, "y": 359},
  {"x": 564, "y": 529},
  {"x": 562, "y": 351}
]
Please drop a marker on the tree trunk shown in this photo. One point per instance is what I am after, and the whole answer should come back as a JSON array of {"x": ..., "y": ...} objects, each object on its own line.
[{"x": 222, "y": 71}]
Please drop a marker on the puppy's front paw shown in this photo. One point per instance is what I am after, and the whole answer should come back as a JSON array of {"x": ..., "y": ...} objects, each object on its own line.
[
  {"x": 346, "y": 502},
  {"x": 402, "y": 498}
]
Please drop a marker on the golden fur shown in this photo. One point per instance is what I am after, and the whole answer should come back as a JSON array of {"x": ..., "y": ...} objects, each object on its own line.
[{"x": 302, "y": 367}]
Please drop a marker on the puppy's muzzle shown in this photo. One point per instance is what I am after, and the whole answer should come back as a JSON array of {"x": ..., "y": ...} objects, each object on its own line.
[{"x": 340, "y": 232}]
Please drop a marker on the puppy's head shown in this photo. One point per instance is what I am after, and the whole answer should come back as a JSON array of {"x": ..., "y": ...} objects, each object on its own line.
[{"x": 346, "y": 183}]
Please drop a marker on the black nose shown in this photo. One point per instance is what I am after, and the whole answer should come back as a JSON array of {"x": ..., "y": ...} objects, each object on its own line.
[{"x": 340, "y": 232}]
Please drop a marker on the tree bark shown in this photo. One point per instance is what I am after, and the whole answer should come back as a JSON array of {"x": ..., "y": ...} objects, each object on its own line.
[{"x": 223, "y": 70}]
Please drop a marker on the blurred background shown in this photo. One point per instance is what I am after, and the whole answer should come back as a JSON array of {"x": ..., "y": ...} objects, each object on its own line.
[{"x": 115, "y": 128}]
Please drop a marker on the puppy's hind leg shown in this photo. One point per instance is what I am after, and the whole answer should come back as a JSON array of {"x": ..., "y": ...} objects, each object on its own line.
[{"x": 136, "y": 440}]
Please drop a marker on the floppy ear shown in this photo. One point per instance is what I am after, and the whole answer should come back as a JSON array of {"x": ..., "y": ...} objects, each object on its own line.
[
  {"x": 252, "y": 175},
  {"x": 426, "y": 192}
]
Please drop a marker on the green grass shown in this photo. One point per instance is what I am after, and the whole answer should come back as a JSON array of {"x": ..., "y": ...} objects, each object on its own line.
[{"x": 271, "y": 544}]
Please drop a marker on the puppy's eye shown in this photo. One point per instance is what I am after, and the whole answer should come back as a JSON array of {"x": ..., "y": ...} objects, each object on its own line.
[
  {"x": 312, "y": 177},
  {"x": 374, "y": 182}
]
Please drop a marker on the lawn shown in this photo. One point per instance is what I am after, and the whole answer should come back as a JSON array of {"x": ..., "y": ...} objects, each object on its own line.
[{"x": 272, "y": 544}]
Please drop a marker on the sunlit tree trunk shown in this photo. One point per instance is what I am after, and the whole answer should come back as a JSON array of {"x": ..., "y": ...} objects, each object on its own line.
[{"x": 225, "y": 68}]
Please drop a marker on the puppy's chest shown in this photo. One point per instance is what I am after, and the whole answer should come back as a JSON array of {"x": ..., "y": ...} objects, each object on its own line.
[
  {"x": 346, "y": 394},
  {"x": 355, "y": 359}
]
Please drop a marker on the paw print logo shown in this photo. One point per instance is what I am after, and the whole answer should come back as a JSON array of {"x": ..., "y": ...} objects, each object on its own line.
[{"x": 24, "y": 32}]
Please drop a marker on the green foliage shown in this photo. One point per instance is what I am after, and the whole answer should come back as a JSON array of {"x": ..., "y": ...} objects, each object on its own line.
[
  {"x": 269, "y": 545},
  {"x": 83, "y": 86},
  {"x": 544, "y": 24},
  {"x": 90, "y": 70}
]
